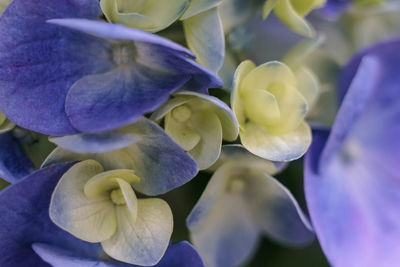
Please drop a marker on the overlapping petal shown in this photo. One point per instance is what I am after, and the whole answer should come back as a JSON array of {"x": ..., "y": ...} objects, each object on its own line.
[
  {"x": 29, "y": 238},
  {"x": 240, "y": 202},
  {"x": 198, "y": 122},
  {"x": 147, "y": 15},
  {"x": 43, "y": 63},
  {"x": 161, "y": 164},
  {"x": 271, "y": 109}
]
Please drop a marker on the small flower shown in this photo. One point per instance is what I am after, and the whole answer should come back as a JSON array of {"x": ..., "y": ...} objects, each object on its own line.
[
  {"x": 198, "y": 123},
  {"x": 292, "y": 13},
  {"x": 82, "y": 75},
  {"x": 242, "y": 202},
  {"x": 27, "y": 230},
  {"x": 352, "y": 182},
  {"x": 143, "y": 146},
  {"x": 98, "y": 206},
  {"x": 270, "y": 107},
  {"x": 201, "y": 23}
]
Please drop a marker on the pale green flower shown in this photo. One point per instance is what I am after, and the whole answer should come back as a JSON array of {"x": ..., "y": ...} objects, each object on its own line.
[
  {"x": 199, "y": 123},
  {"x": 98, "y": 206},
  {"x": 292, "y": 13},
  {"x": 269, "y": 104}
]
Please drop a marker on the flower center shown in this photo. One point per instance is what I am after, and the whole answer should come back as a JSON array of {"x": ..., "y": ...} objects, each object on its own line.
[
  {"x": 236, "y": 185},
  {"x": 350, "y": 151},
  {"x": 117, "y": 197},
  {"x": 182, "y": 113},
  {"x": 123, "y": 53}
]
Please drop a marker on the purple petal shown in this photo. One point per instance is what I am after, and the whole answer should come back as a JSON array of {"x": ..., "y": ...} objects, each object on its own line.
[
  {"x": 277, "y": 212},
  {"x": 42, "y": 61},
  {"x": 354, "y": 194},
  {"x": 25, "y": 220},
  {"x": 180, "y": 254},
  {"x": 13, "y": 162},
  {"x": 334, "y": 8},
  {"x": 152, "y": 51},
  {"x": 107, "y": 101}
]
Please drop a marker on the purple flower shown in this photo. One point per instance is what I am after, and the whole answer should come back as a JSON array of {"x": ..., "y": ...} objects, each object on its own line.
[
  {"x": 29, "y": 238},
  {"x": 93, "y": 77},
  {"x": 352, "y": 180}
]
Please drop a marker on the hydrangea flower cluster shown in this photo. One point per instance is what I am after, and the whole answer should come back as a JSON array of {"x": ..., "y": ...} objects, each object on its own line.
[{"x": 164, "y": 133}]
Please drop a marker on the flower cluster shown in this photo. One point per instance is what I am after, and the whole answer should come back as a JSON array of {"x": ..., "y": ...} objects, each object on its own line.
[{"x": 109, "y": 109}]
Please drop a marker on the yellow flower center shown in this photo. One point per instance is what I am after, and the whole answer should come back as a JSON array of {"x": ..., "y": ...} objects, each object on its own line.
[
  {"x": 182, "y": 113},
  {"x": 123, "y": 53},
  {"x": 117, "y": 197}
]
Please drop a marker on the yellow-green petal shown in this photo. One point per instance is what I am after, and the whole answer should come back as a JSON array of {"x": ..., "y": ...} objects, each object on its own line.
[
  {"x": 266, "y": 75},
  {"x": 237, "y": 103},
  {"x": 106, "y": 181},
  {"x": 3, "y": 5},
  {"x": 198, "y": 6},
  {"x": 268, "y": 7},
  {"x": 285, "y": 11},
  {"x": 186, "y": 137},
  {"x": 89, "y": 219},
  {"x": 208, "y": 126},
  {"x": 150, "y": 15},
  {"x": 292, "y": 106},
  {"x": 285, "y": 147},
  {"x": 308, "y": 86},
  {"x": 144, "y": 241},
  {"x": 129, "y": 198}
]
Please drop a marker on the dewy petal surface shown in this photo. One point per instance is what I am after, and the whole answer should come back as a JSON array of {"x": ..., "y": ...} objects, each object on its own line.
[
  {"x": 25, "y": 215},
  {"x": 14, "y": 164},
  {"x": 353, "y": 195}
]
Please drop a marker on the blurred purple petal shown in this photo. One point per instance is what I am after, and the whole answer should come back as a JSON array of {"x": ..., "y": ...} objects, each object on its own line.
[
  {"x": 14, "y": 164},
  {"x": 354, "y": 194},
  {"x": 180, "y": 254}
]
